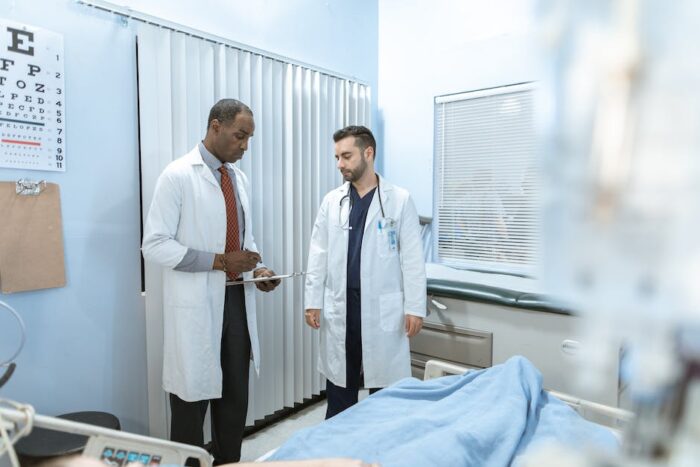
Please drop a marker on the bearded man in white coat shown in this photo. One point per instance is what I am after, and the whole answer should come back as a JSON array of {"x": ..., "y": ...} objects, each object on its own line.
[
  {"x": 365, "y": 283},
  {"x": 199, "y": 229}
]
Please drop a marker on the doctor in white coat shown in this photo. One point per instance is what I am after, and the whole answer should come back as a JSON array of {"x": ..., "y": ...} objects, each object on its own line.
[
  {"x": 365, "y": 282},
  {"x": 199, "y": 229}
]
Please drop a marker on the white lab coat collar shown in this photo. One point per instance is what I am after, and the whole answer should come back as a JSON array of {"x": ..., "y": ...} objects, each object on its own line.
[
  {"x": 384, "y": 186},
  {"x": 383, "y": 190},
  {"x": 194, "y": 158}
]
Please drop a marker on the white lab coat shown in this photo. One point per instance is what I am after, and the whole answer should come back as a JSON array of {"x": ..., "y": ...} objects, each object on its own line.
[
  {"x": 189, "y": 211},
  {"x": 393, "y": 284}
]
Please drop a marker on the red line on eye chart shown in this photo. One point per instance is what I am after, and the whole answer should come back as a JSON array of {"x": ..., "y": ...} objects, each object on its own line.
[{"x": 16, "y": 141}]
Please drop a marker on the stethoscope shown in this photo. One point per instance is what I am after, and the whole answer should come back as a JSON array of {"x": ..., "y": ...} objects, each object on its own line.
[{"x": 345, "y": 225}]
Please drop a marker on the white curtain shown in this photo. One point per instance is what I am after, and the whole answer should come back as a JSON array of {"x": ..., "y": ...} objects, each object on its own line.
[{"x": 290, "y": 164}]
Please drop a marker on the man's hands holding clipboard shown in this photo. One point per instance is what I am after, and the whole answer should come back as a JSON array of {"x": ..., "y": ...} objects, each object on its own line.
[
  {"x": 236, "y": 261},
  {"x": 266, "y": 286},
  {"x": 243, "y": 261},
  {"x": 261, "y": 278}
]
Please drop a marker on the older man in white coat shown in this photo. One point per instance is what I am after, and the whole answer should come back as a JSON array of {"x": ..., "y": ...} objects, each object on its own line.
[
  {"x": 365, "y": 283},
  {"x": 199, "y": 228}
]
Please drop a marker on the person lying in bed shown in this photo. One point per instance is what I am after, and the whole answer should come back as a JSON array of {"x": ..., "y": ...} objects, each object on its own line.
[{"x": 495, "y": 417}]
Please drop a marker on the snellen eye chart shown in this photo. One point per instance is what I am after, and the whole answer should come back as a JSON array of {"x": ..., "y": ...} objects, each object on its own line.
[{"x": 32, "y": 99}]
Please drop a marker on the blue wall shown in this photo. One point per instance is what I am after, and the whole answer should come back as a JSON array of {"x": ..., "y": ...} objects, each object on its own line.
[
  {"x": 429, "y": 48},
  {"x": 86, "y": 342}
]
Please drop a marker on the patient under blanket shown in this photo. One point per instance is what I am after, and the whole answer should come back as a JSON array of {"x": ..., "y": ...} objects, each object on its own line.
[{"x": 487, "y": 417}]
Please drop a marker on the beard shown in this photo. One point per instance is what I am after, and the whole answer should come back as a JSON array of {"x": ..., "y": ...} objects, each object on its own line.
[{"x": 355, "y": 174}]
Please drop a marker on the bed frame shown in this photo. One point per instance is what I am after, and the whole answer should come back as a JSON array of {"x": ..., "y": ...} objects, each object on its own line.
[{"x": 612, "y": 417}]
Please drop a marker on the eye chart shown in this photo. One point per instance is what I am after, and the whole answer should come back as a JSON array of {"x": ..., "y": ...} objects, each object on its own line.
[{"x": 32, "y": 100}]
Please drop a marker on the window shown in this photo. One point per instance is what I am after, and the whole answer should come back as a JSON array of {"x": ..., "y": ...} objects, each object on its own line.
[{"x": 486, "y": 181}]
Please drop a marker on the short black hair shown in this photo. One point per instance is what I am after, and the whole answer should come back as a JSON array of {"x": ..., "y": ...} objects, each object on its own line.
[
  {"x": 363, "y": 137},
  {"x": 226, "y": 110}
]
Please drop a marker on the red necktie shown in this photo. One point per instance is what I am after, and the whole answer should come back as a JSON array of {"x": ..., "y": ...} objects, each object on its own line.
[{"x": 233, "y": 241}]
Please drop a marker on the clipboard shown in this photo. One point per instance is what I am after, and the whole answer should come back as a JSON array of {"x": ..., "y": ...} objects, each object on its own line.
[
  {"x": 31, "y": 236},
  {"x": 265, "y": 279}
]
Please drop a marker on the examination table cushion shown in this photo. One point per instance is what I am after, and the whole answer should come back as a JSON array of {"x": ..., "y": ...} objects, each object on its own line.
[{"x": 483, "y": 418}]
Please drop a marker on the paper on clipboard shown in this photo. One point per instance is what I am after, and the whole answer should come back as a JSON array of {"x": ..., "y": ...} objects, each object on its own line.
[{"x": 265, "y": 279}]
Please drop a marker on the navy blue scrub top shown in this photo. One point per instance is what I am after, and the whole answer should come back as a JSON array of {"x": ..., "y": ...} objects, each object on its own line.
[{"x": 358, "y": 215}]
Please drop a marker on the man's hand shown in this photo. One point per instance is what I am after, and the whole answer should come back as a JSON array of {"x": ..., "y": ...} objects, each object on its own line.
[
  {"x": 313, "y": 317},
  {"x": 266, "y": 286},
  {"x": 237, "y": 261},
  {"x": 413, "y": 325}
]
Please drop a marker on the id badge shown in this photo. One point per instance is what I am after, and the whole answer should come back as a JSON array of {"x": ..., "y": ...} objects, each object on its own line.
[{"x": 388, "y": 235}]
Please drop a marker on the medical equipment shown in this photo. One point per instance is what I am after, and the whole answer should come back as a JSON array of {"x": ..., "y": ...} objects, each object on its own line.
[
  {"x": 620, "y": 124},
  {"x": 112, "y": 447},
  {"x": 345, "y": 225}
]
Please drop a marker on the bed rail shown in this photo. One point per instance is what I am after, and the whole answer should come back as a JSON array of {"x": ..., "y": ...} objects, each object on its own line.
[{"x": 438, "y": 368}]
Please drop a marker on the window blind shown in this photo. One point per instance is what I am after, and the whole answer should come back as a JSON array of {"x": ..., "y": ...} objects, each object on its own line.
[
  {"x": 486, "y": 183},
  {"x": 290, "y": 166}
]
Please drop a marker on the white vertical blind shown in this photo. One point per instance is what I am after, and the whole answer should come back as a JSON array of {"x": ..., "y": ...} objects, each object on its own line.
[
  {"x": 486, "y": 182},
  {"x": 290, "y": 164}
]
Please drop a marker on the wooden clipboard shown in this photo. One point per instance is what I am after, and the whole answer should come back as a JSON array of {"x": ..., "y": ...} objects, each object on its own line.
[{"x": 31, "y": 238}]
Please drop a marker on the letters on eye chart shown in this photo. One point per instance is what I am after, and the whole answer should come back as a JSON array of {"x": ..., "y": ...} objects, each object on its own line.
[{"x": 32, "y": 99}]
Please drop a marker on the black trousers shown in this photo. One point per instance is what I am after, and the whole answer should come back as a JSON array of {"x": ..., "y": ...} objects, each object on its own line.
[
  {"x": 341, "y": 398},
  {"x": 228, "y": 414}
]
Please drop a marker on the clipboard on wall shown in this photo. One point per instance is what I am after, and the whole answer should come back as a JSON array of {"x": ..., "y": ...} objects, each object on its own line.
[{"x": 31, "y": 237}]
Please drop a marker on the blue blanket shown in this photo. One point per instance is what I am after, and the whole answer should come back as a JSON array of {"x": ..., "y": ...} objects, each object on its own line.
[{"x": 483, "y": 418}]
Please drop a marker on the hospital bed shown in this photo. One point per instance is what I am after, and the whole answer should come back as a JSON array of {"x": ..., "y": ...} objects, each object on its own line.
[
  {"x": 613, "y": 418},
  {"x": 320, "y": 442}
]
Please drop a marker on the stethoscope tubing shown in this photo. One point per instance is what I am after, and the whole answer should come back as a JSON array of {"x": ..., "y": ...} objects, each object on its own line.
[{"x": 347, "y": 196}]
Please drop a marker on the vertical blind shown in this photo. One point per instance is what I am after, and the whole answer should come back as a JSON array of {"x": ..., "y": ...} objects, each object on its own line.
[
  {"x": 290, "y": 165},
  {"x": 486, "y": 181}
]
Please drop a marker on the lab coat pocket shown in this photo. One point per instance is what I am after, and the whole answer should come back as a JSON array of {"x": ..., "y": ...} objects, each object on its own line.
[
  {"x": 330, "y": 304},
  {"x": 331, "y": 314},
  {"x": 391, "y": 311}
]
